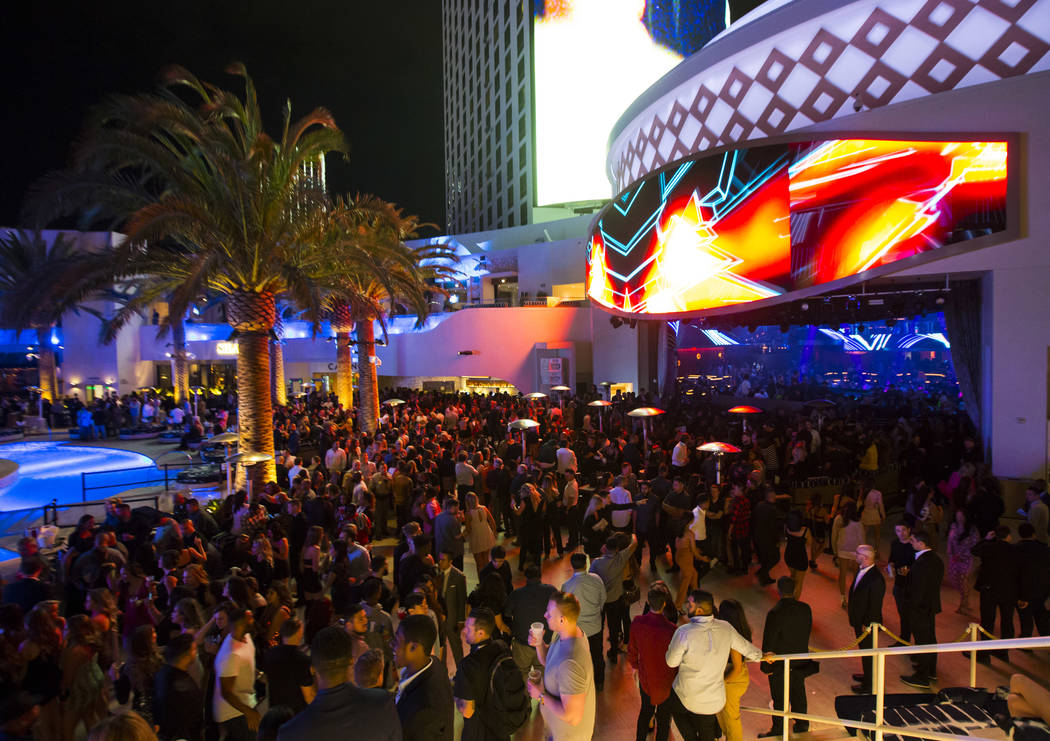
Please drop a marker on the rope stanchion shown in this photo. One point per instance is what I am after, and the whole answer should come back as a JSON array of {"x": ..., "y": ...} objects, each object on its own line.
[
  {"x": 989, "y": 635},
  {"x": 894, "y": 636},
  {"x": 854, "y": 644}
]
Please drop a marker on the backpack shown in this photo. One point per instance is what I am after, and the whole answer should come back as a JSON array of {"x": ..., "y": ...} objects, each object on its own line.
[{"x": 509, "y": 704}]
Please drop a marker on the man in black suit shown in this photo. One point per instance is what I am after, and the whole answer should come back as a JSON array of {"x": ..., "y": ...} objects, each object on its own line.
[
  {"x": 787, "y": 630},
  {"x": 1033, "y": 559},
  {"x": 452, "y": 591},
  {"x": 339, "y": 706},
  {"x": 927, "y": 573},
  {"x": 29, "y": 589},
  {"x": 178, "y": 704},
  {"x": 424, "y": 694},
  {"x": 865, "y": 607},
  {"x": 997, "y": 585}
]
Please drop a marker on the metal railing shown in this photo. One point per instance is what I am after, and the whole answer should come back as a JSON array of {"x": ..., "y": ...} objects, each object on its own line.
[
  {"x": 48, "y": 514},
  {"x": 153, "y": 475},
  {"x": 879, "y": 728}
]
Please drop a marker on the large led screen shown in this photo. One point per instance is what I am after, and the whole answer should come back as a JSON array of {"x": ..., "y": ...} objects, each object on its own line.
[
  {"x": 591, "y": 59},
  {"x": 756, "y": 223}
]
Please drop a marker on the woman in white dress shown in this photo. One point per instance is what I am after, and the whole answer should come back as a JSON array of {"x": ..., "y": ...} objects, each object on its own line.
[{"x": 481, "y": 530}]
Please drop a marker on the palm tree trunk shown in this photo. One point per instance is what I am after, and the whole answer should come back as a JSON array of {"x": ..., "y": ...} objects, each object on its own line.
[
  {"x": 277, "y": 390},
  {"x": 277, "y": 385},
  {"x": 344, "y": 370},
  {"x": 252, "y": 315},
  {"x": 179, "y": 362},
  {"x": 46, "y": 365},
  {"x": 368, "y": 380}
]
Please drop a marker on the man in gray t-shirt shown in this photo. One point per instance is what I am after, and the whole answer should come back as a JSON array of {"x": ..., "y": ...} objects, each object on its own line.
[{"x": 566, "y": 692}]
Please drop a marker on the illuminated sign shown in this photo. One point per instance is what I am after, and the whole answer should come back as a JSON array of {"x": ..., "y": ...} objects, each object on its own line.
[
  {"x": 226, "y": 348},
  {"x": 757, "y": 223},
  {"x": 591, "y": 59}
]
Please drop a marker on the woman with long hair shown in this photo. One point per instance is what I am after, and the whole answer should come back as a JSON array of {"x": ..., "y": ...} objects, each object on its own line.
[
  {"x": 846, "y": 534},
  {"x": 480, "y": 529},
  {"x": 685, "y": 555},
  {"x": 102, "y": 606},
  {"x": 312, "y": 561},
  {"x": 815, "y": 518},
  {"x": 552, "y": 516},
  {"x": 962, "y": 537},
  {"x": 595, "y": 529},
  {"x": 137, "y": 592},
  {"x": 872, "y": 514},
  {"x": 129, "y": 726},
  {"x": 262, "y": 563},
  {"x": 796, "y": 552},
  {"x": 83, "y": 683},
  {"x": 529, "y": 506},
  {"x": 41, "y": 653},
  {"x": 278, "y": 609},
  {"x": 195, "y": 578},
  {"x": 134, "y": 684},
  {"x": 737, "y": 677},
  {"x": 716, "y": 535}
]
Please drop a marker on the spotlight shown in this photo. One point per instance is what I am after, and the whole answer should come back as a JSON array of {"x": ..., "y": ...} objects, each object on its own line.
[
  {"x": 939, "y": 301},
  {"x": 616, "y": 321},
  {"x": 751, "y": 328},
  {"x": 784, "y": 327},
  {"x": 860, "y": 329},
  {"x": 632, "y": 323},
  {"x": 804, "y": 306}
]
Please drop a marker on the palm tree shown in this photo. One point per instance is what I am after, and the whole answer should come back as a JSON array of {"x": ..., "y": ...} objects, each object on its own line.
[
  {"x": 378, "y": 270},
  {"x": 39, "y": 282},
  {"x": 191, "y": 165},
  {"x": 278, "y": 392}
]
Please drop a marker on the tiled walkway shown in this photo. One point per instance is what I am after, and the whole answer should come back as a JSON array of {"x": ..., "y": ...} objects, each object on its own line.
[{"x": 619, "y": 702}]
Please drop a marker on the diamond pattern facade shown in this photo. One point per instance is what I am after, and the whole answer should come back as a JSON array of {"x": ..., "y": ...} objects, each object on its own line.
[{"x": 899, "y": 50}]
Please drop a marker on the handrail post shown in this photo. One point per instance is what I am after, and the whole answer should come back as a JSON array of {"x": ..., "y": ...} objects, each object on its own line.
[
  {"x": 785, "y": 731},
  {"x": 165, "y": 477},
  {"x": 879, "y": 680},
  {"x": 83, "y": 487},
  {"x": 973, "y": 656}
]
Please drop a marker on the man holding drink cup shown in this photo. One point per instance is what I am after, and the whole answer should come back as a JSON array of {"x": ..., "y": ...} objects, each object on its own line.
[{"x": 566, "y": 688}]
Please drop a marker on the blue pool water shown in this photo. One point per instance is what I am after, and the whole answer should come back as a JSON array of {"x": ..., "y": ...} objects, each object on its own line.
[{"x": 52, "y": 470}]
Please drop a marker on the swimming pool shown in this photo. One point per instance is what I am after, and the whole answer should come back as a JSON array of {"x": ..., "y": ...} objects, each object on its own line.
[{"x": 51, "y": 470}]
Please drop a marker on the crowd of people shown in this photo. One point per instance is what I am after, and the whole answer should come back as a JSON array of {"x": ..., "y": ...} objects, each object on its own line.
[{"x": 188, "y": 624}]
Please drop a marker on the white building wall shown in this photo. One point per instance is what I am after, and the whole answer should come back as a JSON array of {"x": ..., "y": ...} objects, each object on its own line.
[
  {"x": 1015, "y": 275},
  {"x": 505, "y": 338}
]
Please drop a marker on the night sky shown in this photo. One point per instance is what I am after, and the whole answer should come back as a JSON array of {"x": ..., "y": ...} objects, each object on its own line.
[{"x": 375, "y": 65}]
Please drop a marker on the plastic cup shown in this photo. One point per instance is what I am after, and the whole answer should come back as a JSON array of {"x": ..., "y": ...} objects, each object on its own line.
[
  {"x": 535, "y": 675},
  {"x": 536, "y": 631}
]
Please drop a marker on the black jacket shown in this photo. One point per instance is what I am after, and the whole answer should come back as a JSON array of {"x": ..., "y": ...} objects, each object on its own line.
[
  {"x": 999, "y": 569},
  {"x": 425, "y": 706},
  {"x": 927, "y": 573},
  {"x": 788, "y": 626},
  {"x": 1033, "y": 560},
  {"x": 345, "y": 711},
  {"x": 865, "y": 599},
  {"x": 178, "y": 705},
  {"x": 28, "y": 592}
]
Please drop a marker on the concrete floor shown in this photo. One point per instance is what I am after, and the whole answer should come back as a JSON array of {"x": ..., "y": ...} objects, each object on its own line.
[{"x": 618, "y": 704}]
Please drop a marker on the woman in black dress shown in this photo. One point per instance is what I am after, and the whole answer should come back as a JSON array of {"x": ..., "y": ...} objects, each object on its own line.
[
  {"x": 530, "y": 507},
  {"x": 796, "y": 552}
]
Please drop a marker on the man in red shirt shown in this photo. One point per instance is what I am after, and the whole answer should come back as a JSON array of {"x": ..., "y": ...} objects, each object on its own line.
[{"x": 651, "y": 634}]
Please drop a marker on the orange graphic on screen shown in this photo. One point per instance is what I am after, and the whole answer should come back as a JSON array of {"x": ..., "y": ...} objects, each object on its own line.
[{"x": 753, "y": 224}]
